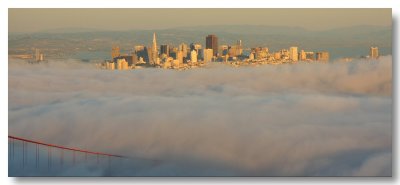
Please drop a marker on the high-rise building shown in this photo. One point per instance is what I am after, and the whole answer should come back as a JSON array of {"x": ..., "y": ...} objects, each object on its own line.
[
  {"x": 212, "y": 43},
  {"x": 374, "y": 52},
  {"x": 223, "y": 50},
  {"x": 142, "y": 52},
  {"x": 238, "y": 49},
  {"x": 285, "y": 54},
  {"x": 130, "y": 59},
  {"x": 164, "y": 49},
  {"x": 134, "y": 59},
  {"x": 293, "y": 54},
  {"x": 302, "y": 55},
  {"x": 208, "y": 55},
  {"x": 115, "y": 52},
  {"x": 173, "y": 52},
  {"x": 179, "y": 57},
  {"x": 110, "y": 65},
  {"x": 322, "y": 56},
  {"x": 193, "y": 56},
  {"x": 251, "y": 56},
  {"x": 239, "y": 43},
  {"x": 37, "y": 54},
  {"x": 235, "y": 51},
  {"x": 122, "y": 64},
  {"x": 198, "y": 48},
  {"x": 184, "y": 48},
  {"x": 200, "y": 54},
  {"x": 191, "y": 46},
  {"x": 154, "y": 49}
]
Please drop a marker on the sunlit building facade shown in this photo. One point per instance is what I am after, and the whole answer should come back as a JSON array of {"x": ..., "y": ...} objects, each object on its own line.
[
  {"x": 374, "y": 52},
  {"x": 293, "y": 54}
]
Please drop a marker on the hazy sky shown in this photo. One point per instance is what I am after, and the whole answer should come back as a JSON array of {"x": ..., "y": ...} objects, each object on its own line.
[{"x": 32, "y": 20}]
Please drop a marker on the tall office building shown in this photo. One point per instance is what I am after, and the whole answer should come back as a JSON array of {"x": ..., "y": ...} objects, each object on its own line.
[
  {"x": 41, "y": 57},
  {"x": 239, "y": 49},
  {"x": 110, "y": 65},
  {"x": 150, "y": 56},
  {"x": 212, "y": 43},
  {"x": 115, "y": 52},
  {"x": 164, "y": 49},
  {"x": 37, "y": 54},
  {"x": 293, "y": 54},
  {"x": 193, "y": 56},
  {"x": 208, "y": 55},
  {"x": 191, "y": 46},
  {"x": 374, "y": 52},
  {"x": 179, "y": 57},
  {"x": 142, "y": 52},
  {"x": 223, "y": 50},
  {"x": 235, "y": 51},
  {"x": 251, "y": 56},
  {"x": 302, "y": 55},
  {"x": 322, "y": 56},
  {"x": 184, "y": 48},
  {"x": 154, "y": 50},
  {"x": 122, "y": 64}
]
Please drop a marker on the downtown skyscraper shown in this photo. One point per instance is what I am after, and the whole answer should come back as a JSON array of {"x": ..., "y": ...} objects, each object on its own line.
[
  {"x": 154, "y": 49},
  {"x": 212, "y": 43}
]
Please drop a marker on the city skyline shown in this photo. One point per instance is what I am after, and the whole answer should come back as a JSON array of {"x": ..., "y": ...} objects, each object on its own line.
[
  {"x": 119, "y": 19},
  {"x": 168, "y": 56}
]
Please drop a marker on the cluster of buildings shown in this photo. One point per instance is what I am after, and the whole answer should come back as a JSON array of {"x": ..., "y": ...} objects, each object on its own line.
[
  {"x": 194, "y": 55},
  {"x": 262, "y": 54},
  {"x": 166, "y": 56},
  {"x": 373, "y": 55},
  {"x": 37, "y": 56}
]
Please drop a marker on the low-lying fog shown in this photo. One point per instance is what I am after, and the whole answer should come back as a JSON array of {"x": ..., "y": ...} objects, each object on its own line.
[{"x": 331, "y": 119}]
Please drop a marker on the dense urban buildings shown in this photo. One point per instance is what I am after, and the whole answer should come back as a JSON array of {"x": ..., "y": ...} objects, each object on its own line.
[
  {"x": 38, "y": 55},
  {"x": 194, "y": 55}
]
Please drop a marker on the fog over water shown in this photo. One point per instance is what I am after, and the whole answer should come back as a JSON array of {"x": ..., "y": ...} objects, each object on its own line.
[{"x": 306, "y": 119}]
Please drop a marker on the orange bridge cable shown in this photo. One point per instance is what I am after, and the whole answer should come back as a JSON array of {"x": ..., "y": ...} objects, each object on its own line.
[
  {"x": 155, "y": 161},
  {"x": 65, "y": 148}
]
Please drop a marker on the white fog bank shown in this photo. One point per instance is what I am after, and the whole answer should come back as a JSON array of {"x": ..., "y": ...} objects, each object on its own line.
[{"x": 331, "y": 119}]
